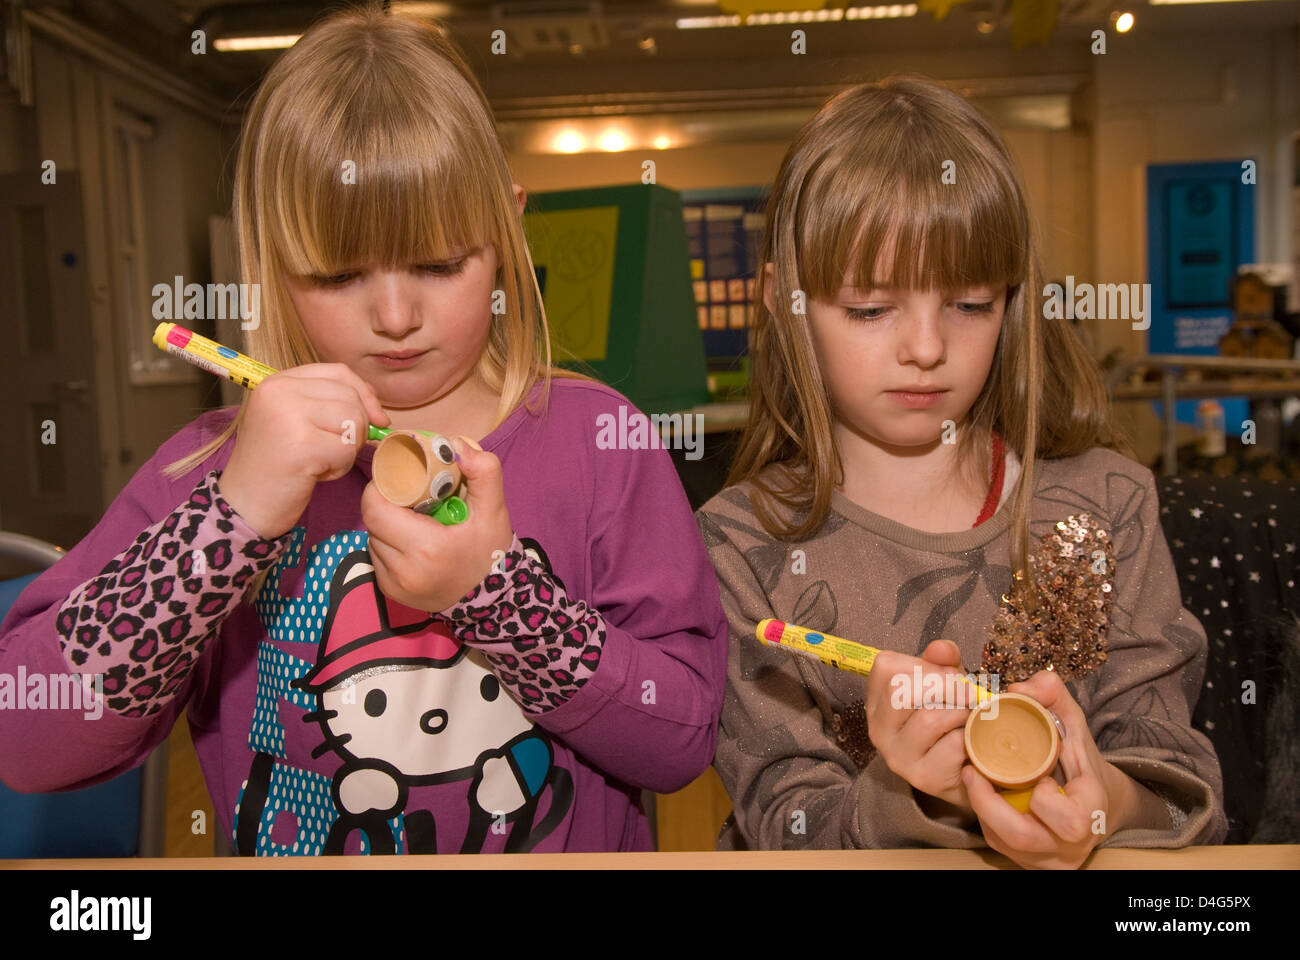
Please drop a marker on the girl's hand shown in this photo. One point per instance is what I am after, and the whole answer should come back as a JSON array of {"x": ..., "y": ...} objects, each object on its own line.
[
  {"x": 925, "y": 746},
  {"x": 1058, "y": 832},
  {"x": 428, "y": 566},
  {"x": 301, "y": 426}
]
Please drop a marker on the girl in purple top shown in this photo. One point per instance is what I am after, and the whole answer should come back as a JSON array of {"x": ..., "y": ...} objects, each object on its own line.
[{"x": 576, "y": 647}]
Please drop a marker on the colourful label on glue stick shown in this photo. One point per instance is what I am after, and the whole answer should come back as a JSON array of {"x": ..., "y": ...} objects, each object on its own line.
[
  {"x": 835, "y": 651},
  {"x": 210, "y": 355}
]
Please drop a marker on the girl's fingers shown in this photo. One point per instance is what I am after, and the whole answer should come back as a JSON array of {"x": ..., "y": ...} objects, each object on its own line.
[
  {"x": 482, "y": 469},
  {"x": 916, "y": 682},
  {"x": 1062, "y": 814},
  {"x": 1018, "y": 831},
  {"x": 948, "y": 753},
  {"x": 931, "y": 745},
  {"x": 384, "y": 559},
  {"x": 343, "y": 374},
  {"x": 331, "y": 418},
  {"x": 944, "y": 653},
  {"x": 1073, "y": 759},
  {"x": 923, "y": 728},
  {"x": 1048, "y": 689},
  {"x": 330, "y": 405},
  {"x": 383, "y": 520}
]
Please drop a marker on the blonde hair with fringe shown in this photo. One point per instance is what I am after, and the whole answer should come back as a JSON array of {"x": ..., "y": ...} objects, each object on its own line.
[
  {"x": 395, "y": 97},
  {"x": 861, "y": 185}
]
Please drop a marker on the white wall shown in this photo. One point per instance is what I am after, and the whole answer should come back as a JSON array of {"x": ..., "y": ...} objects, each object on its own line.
[{"x": 1185, "y": 98}]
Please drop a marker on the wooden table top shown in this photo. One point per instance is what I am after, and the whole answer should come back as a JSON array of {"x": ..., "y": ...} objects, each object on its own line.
[{"x": 1249, "y": 857}]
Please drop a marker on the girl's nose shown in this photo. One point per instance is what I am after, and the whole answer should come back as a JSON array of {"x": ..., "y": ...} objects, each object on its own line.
[
  {"x": 922, "y": 341},
  {"x": 393, "y": 309}
]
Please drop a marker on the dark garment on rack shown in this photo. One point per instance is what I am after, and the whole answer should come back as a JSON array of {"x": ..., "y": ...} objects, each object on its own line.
[{"x": 1236, "y": 544}]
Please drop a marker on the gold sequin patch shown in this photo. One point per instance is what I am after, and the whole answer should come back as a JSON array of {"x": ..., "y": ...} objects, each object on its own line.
[
  {"x": 1073, "y": 569},
  {"x": 850, "y": 729}
]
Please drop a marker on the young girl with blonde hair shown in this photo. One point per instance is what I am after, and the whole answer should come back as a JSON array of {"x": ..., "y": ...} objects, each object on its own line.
[
  {"x": 393, "y": 685},
  {"x": 929, "y": 468}
]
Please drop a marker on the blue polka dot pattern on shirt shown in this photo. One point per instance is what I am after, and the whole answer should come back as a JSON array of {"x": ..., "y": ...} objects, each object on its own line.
[
  {"x": 299, "y": 619},
  {"x": 305, "y": 794},
  {"x": 276, "y": 671}
]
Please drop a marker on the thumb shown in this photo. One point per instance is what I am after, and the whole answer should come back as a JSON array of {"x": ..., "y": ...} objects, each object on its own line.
[
  {"x": 1045, "y": 686},
  {"x": 1049, "y": 690},
  {"x": 482, "y": 472}
]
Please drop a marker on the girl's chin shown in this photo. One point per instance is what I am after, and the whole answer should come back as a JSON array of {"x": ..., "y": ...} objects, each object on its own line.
[
  {"x": 917, "y": 439},
  {"x": 405, "y": 402}
]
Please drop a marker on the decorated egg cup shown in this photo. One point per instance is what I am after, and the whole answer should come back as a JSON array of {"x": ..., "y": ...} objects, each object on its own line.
[{"x": 416, "y": 469}]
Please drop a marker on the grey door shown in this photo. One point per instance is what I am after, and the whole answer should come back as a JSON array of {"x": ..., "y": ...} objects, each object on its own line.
[{"x": 49, "y": 490}]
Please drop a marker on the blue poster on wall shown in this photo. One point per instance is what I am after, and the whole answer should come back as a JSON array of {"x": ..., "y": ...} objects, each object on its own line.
[
  {"x": 1200, "y": 228},
  {"x": 723, "y": 232}
]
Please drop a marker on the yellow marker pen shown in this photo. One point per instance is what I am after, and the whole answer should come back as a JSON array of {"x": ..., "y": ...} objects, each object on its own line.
[
  {"x": 835, "y": 651},
  {"x": 241, "y": 370}
]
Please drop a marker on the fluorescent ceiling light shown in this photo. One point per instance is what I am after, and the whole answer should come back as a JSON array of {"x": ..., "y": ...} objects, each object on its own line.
[
  {"x": 695, "y": 23},
  {"x": 230, "y": 44},
  {"x": 885, "y": 11},
  {"x": 421, "y": 8}
]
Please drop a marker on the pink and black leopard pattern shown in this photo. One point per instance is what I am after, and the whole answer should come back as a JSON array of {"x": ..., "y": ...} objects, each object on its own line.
[
  {"x": 543, "y": 645},
  {"x": 144, "y": 621}
]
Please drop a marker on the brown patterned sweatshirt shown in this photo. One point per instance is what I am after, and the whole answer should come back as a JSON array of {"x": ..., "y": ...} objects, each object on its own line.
[{"x": 793, "y": 734}]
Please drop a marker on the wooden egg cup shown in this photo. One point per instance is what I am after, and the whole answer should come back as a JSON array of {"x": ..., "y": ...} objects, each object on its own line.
[
  {"x": 416, "y": 469},
  {"x": 1012, "y": 740}
]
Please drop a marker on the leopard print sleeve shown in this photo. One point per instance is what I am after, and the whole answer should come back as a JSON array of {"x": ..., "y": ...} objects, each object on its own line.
[
  {"x": 542, "y": 644},
  {"x": 144, "y": 620}
]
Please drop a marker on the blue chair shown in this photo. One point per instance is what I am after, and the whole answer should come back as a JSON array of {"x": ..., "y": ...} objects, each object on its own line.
[{"x": 123, "y": 817}]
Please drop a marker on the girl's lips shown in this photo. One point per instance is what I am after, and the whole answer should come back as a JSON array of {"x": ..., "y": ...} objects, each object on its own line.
[
  {"x": 399, "y": 360},
  {"x": 917, "y": 399}
]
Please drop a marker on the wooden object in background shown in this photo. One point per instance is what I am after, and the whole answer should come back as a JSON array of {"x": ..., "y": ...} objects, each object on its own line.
[
  {"x": 691, "y": 818},
  {"x": 1255, "y": 331}
]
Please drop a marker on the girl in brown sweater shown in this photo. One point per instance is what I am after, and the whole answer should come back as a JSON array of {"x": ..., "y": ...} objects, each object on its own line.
[{"x": 929, "y": 467}]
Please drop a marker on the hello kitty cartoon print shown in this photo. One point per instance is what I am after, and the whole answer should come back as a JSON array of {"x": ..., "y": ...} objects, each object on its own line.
[{"x": 404, "y": 705}]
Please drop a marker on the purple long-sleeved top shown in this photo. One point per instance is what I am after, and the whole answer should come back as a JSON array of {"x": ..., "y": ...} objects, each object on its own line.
[{"x": 327, "y": 718}]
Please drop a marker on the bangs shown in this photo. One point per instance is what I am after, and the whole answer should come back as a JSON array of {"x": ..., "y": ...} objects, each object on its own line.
[
  {"x": 343, "y": 190},
  {"x": 886, "y": 218},
  {"x": 400, "y": 210}
]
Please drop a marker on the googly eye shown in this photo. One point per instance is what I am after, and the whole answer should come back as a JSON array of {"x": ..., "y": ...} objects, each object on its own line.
[
  {"x": 443, "y": 449},
  {"x": 442, "y": 486}
]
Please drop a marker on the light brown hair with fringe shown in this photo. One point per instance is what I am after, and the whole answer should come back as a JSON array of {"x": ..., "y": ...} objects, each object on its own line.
[
  {"x": 859, "y": 198},
  {"x": 394, "y": 96}
]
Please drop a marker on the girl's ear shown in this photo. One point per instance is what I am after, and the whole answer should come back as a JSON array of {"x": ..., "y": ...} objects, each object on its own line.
[{"x": 521, "y": 197}]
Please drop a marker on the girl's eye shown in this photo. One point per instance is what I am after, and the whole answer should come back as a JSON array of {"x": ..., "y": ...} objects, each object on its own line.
[
  {"x": 865, "y": 313},
  {"x": 338, "y": 280},
  {"x": 444, "y": 269},
  {"x": 983, "y": 306}
]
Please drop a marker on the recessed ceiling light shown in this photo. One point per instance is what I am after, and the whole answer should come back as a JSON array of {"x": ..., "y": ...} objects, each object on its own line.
[
  {"x": 570, "y": 141},
  {"x": 613, "y": 142}
]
